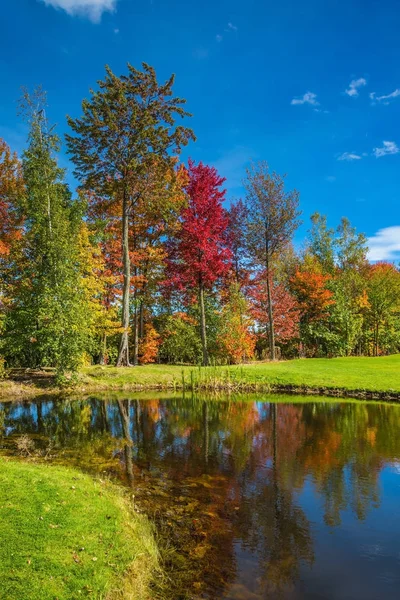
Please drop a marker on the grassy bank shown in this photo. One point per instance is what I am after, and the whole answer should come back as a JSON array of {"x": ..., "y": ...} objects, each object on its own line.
[
  {"x": 350, "y": 376},
  {"x": 66, "y": 536},
  {"x": 373, "y": 374}
]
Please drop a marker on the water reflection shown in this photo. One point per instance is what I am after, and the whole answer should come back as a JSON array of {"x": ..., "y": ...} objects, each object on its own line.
[{"x": 257, "y": 499}]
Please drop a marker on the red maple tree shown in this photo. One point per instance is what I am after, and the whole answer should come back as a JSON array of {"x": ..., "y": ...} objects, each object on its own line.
[{"x": 198, "y": 255}]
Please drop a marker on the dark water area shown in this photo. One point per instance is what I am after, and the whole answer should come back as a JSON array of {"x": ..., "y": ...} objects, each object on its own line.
[{"x": 254, "y": 498}]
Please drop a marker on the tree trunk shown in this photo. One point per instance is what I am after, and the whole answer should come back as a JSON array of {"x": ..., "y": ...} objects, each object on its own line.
[
  {"x": 103, "y": 354},
  {"x": 203, "y": 332},
  {"x": 135, "y": 335},
  {"x": 141, "y": 320},
  {"x": 123, "y": 354},
  {"x": 270, "y": 310},
  {"x": 138, "y": 329}
]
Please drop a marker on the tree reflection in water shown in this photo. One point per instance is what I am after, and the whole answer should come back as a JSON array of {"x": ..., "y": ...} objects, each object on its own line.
[{"x": 226, "y": 481}]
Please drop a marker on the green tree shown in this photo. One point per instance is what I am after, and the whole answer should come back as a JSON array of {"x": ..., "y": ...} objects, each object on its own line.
[
  {"x": 321, "y": 243},
  {"x": 49, "y": 321},
  {"x": 383, "y": 317},
  {"x": 127, "y": 124},
  {"x": 351, "y": 246},
  {"x": 180, "y": 340},
  {"x": 272, "y": 219}
]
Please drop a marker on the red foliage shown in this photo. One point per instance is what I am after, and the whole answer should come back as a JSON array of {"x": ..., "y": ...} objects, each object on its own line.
[
  {"x": 199, "y": 252},
  {"x": 285, "y": 308},
  {"x": 313, "y": 296}
]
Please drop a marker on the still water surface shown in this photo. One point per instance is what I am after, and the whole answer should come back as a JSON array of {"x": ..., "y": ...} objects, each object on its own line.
[{"x": 256, "y": 498}]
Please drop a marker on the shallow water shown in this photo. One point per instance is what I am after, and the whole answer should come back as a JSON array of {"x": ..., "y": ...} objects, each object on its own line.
[{"x": 257, "y": 499}]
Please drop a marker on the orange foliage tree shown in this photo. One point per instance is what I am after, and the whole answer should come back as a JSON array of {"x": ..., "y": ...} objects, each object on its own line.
[
  {"x": 236, "y": 341},
  {"x": 312, "y": 294},
  {"x": 11, "y": 190}
]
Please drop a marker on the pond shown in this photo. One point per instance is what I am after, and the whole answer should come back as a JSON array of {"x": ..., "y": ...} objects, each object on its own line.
[{"x": 253, "y": 497}]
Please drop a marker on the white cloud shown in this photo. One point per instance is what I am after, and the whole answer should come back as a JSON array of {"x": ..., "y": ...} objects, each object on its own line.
[
  {"x": 387, "y": 148},
  {"x": 354, "y": 86},
  {"x": 93, "y": 9},
  {"x": 232, "y": 27},
  {"x": 385, "y": 244},
  {"x": 116, "y": 31},
  {"x": 384, "y": 99},
  {"x": 349, "y": 156},
  {"x": 308, "y": 98},
  {"x": 219, "y": 37}
]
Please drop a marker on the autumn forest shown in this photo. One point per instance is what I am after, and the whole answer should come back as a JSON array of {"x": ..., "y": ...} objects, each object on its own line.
[{"x": 149, "y": 260}]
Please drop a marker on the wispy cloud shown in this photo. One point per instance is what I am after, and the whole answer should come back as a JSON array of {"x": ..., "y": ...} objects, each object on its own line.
[
  {"x": 354, "y": 86},
  {"x": 307, "y": 98},
  {"x": 387, "y": 148},
  {"x": 330, "y": 179},
  {"x": 385, "y": 244},
  {"x": 92, "y": 9},
  {"x": 349, "y": 156},
  {"x": 229, "y": 29},
  {"x": 384, "y": 99}
]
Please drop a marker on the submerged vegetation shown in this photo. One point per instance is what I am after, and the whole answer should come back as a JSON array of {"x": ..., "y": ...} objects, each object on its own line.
[
  {"x": 150, "y": 261},
  {"x": 65, "y": 535}
]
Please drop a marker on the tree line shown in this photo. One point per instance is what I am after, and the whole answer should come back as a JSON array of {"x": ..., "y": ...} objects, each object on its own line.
[{"x": 148, "y": 262}]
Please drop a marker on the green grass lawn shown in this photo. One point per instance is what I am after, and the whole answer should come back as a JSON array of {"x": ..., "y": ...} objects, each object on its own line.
[
  {"x": 378, "y": 374},
  {"x": 66, "y": 536}
]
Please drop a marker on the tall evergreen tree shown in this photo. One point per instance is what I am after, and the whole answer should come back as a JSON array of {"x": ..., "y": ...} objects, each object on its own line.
[
  {"x": 49, "y": 320},
  {"x": 128, "y": 123}
]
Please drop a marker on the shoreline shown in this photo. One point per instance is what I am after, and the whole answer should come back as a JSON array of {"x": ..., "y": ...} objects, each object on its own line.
[
  {"x": 363, "y": 378},
  {"x": 28, "y": 391}
]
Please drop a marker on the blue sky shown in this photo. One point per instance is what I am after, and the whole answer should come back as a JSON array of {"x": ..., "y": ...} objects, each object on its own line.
[{"x": 312, "y": 87}]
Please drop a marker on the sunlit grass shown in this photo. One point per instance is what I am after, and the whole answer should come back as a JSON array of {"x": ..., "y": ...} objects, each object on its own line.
[
  {"x": 364, "y": 373},
  {"x": 66, "y": 536}
]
